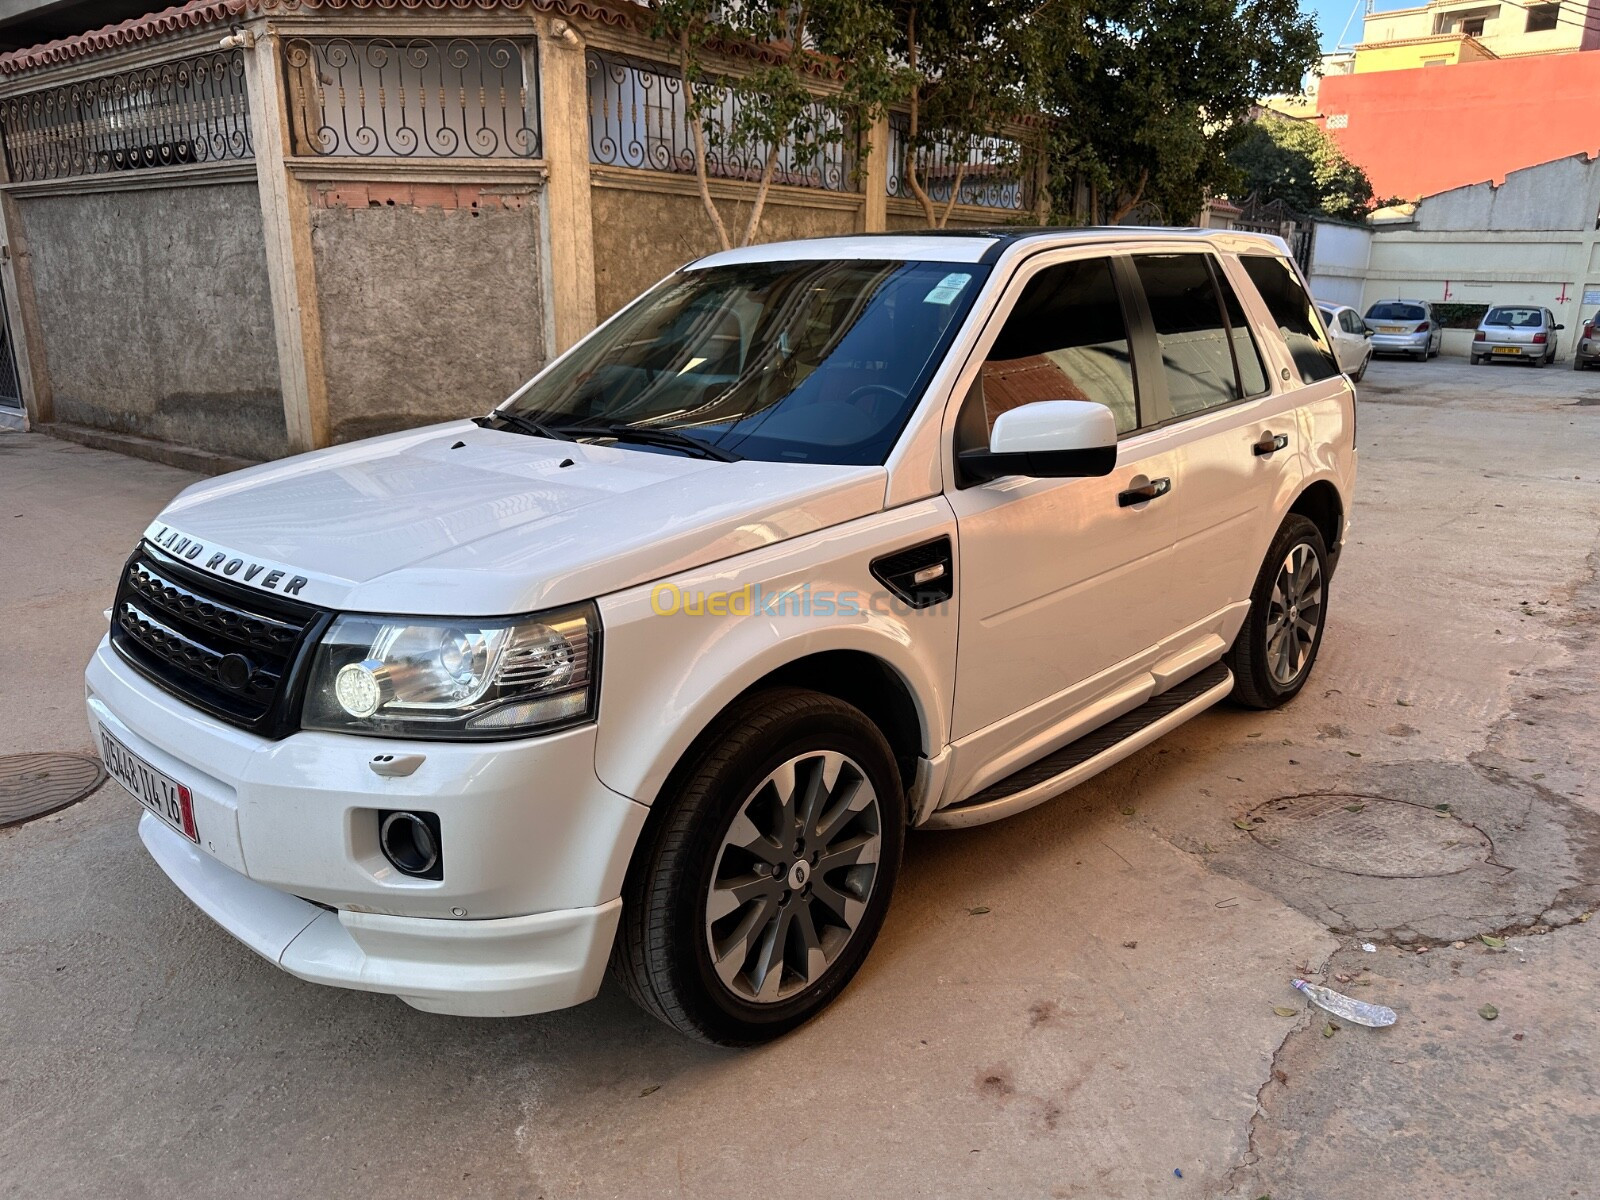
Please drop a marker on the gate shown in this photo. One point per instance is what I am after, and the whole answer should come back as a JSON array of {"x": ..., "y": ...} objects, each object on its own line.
[
  {"x": 10, "y": 384},
  {"x": 1278, "y": 219}
]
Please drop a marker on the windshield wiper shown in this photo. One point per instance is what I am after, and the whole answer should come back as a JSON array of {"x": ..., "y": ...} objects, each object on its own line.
[
  {"x": 649, "y": 435},
  {"x": 522, "y": 424}
]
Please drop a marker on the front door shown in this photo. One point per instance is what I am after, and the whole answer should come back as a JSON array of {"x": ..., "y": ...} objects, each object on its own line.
[{"x": 1062, "y": 580}]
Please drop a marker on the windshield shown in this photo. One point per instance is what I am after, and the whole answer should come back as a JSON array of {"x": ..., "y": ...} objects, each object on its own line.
[
  {"x": 1517, "y": 318},
  {"x": 1396, "y": 312},
  {"x": 816, "y": 361}
]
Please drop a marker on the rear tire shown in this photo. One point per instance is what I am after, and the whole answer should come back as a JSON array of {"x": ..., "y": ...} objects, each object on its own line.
[
  {"x": 1272, "y": 657},
  {"x": 735, "y": 928}
]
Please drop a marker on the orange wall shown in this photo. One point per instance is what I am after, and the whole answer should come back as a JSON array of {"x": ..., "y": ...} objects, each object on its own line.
[{"x": 1433, "y": 128}]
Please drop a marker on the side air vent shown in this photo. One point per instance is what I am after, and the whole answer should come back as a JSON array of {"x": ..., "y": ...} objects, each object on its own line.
[{"x": 921, "y": 575}]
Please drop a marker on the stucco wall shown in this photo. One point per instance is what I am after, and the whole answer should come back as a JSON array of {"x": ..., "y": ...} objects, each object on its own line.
[
  {"x": 1553, "y": 195},
  {"x": 1340, "y": 256},
  {"x": 1423, "y": 131},
  {"x": 155, "y": 315},
  {"x": 641, "y": 235},
  {"x": 908, "y": 215},
  {"x": 431, "y": 301}
]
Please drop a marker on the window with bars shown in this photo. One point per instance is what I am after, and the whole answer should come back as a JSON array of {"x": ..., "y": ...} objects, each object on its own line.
[
  {"x": 190, "y": 110},
  {"x": 414, "y": 97},
  {"x": 638, "y": 118},
  {"x": 988, "y": 171}
]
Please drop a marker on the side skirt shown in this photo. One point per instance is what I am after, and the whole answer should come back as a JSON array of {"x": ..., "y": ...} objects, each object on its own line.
[{"x": 1090, "y": 754}]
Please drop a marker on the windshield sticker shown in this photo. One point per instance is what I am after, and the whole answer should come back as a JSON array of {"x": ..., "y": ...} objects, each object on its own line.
[{"x": 948, "y": 289}]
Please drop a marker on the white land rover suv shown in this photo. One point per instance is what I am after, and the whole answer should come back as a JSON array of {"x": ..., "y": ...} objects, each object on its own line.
[{"x": 655, "y": 664}]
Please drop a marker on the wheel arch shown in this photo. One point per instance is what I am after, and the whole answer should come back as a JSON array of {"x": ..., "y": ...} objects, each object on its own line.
[{"x": 1320, "y": 503}]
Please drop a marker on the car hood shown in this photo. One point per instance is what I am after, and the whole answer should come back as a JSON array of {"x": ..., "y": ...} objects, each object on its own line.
[{"x": 462, "y": 521}]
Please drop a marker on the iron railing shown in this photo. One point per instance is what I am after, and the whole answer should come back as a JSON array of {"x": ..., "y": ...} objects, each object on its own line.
[
  {"x": 191, "y": 110},
  {"x": 638, "y": 118},
  {"x": 414, "y": 98},
  {"x": 991, "y": 169}
]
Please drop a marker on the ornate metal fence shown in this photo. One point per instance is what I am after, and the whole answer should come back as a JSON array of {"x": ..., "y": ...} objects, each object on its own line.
[
  {"x": 638, "y": 118},
  {"x": 991, "y": 169},
  {"x": 414, "y": 98},
  {"x": 191, "y": 110}
]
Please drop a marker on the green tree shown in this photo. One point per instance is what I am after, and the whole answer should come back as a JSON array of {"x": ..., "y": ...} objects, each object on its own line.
[
  {"x": 1280, "y": 158},
  {"x": 822, "y": 70},
  {"x": 1153, "y": 94},
  {"x": 969, "y": 69}
]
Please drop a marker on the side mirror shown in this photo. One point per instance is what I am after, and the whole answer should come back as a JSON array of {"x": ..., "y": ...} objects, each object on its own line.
[
  {"x": 1366, "y": 331},
  {"x": 1050, "y": 439},
  {"x": 1560, "y": 326}
]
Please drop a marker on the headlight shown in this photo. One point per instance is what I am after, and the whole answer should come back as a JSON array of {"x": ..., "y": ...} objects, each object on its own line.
[{"x": 460, "y": 679}]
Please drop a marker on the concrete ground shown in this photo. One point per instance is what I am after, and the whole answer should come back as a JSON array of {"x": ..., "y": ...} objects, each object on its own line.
[{"x": 1081, "y": 1002}]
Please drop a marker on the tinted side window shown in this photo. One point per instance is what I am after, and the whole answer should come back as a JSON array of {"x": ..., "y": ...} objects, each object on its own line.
[
  {"x": 1195, "y": 355},
  {"x": 1065, "y": 340},
  {"x": 1286, "y": 299},
  {"x": 1246, "y": 357}
]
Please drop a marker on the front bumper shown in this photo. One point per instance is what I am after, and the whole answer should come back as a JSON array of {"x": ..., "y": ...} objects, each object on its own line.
[
  {"x": 534, "y": 848},
  {"x": 498, "y": 968},
  {"x": 1401, "y": 343}
]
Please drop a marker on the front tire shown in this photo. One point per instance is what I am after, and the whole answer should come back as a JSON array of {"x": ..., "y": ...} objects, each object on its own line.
[
  {"x": 1272, "y": 657},
  {"x": 762, "y": 880}
]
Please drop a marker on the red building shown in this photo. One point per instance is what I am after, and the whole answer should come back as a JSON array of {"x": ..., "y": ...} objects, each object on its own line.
[{"x": 1426, "y": 130}]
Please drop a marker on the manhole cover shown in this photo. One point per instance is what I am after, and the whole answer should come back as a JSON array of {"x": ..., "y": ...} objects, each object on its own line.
[
  {"x": 1369, "y": 835},
  {"x": 34, "y": 784}
]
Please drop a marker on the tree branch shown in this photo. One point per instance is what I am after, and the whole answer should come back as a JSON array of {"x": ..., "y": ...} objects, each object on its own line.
[
  {"x": 697, "y": 130},
  {"x": 1133, "y": 201}
]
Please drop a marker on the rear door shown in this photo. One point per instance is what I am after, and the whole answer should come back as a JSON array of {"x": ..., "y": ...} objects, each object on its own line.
[{"x": 1233, "y": 432}]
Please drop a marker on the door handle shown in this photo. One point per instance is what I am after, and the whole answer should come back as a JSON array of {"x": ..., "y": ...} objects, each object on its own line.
[
  {"x": 1269, "y": 443},
  {"x": 1143, "y": 493}
]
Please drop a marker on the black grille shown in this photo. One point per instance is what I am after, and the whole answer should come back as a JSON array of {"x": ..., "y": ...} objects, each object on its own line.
[
  {"x": 898, "y": 572},
  {"x": 231, "y": 651}
]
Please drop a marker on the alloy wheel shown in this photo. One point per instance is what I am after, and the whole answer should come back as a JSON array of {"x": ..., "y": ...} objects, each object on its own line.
[
  {"x": 793, "y": 877},
  {"x": 1294, "y": 614}
]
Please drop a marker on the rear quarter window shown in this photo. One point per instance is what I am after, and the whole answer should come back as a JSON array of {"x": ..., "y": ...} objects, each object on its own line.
[{"x": 1294, "y": 314}]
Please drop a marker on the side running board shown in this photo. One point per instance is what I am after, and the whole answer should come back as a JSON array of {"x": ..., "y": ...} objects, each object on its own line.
[{"x": 1090, "y": 754}]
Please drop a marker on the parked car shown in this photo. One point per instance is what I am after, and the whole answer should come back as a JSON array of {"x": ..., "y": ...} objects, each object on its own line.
[
  {"x": 1352, "y": 340},
  {"x": 1588, "y": 353},
  {"x": 1518, "y": 332},
  {"x": 1404, "y": 327},
  {"x": 655, "y": 664}
]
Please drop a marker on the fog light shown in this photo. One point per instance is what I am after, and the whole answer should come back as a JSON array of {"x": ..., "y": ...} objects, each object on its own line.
[{"x": 410, "y": 841}]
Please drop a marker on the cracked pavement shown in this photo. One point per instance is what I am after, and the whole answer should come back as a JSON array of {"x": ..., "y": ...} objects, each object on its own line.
[{"x": 1079, "y": 1002}]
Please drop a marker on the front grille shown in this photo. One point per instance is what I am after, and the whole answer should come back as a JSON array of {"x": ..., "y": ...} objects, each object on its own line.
[{"x": 224, "y": 648}]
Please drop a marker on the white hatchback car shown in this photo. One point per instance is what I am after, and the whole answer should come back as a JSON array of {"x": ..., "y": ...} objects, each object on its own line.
[
  {"x": 1352, "y": 340},
  {"x": 656, "y": 664}
]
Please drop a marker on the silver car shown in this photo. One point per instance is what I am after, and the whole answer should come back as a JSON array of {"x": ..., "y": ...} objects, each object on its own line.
[
  {"x": 1588, "y": 345},
  {"x": 1518, "y": 332},
  {"x": 1404, "y": 327}
]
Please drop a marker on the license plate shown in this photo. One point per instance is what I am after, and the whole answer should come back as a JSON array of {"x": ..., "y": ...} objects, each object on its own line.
[
  {"x": 1506, "y": 350},
  {"x": 1391, "y": 329},
  {"x": 160, "y": 793}
]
